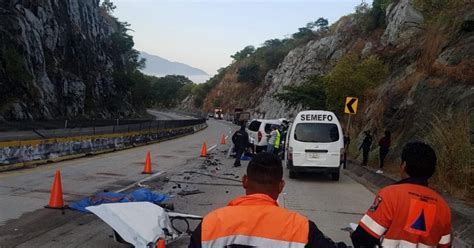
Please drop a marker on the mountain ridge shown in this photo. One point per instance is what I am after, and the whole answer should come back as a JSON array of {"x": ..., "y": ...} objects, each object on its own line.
[{"x": 159, "y": 66}]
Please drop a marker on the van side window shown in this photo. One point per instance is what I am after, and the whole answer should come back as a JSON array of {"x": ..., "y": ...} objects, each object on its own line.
[
  {"x": 316, "y": 132},
  {"x": 268, "y": 128}
]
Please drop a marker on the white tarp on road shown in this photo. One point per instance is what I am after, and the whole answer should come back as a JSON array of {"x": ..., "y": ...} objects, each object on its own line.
[{"x": 139, "y": 223}]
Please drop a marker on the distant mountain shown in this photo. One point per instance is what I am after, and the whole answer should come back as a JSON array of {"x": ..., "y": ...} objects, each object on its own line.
[{"x": 158, "y": 66}]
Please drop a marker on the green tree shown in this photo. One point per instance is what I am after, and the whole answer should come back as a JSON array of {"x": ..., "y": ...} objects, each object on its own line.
[
  {"x": 352, "y": 76},
  {"x": 249, "y": 73},
  {"x": 244, "y": 53},
  {"x": 166, "y": 90},
  {"x": 311, "y": 94}
]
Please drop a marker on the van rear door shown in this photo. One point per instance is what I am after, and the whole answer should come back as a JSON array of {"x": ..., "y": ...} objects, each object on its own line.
[
  {"x": 253, "y": 128},
  {"x": 316, "y": 144}
]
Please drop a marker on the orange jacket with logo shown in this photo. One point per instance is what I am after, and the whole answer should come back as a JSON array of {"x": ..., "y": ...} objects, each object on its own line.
[
  {"x": 409, "y": 214},
  {"x": 257, "y": 221}
]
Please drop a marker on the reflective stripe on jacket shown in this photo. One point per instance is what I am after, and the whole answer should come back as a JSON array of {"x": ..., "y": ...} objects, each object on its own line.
[
  {"x": 409, "y": 214},
  {"x": 254, "y": 220}
]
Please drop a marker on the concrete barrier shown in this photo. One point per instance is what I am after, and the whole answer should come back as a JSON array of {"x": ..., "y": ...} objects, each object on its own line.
[
  {"x": 462, "y": 214},
  {"x": 25, "y": 153}
]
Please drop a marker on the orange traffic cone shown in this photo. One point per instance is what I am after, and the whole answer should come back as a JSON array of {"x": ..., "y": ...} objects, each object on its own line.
[
  {"x": 204, "y": 150},
  {"x": 147, "y": 169},
  {"x": 161, "y": 244},
  {"x": 56, "y": 198},
  {"x": 222, "y": 139}
]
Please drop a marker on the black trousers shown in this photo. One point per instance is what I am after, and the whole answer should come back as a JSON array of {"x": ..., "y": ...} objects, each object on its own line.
[
  {"x": 365, "y": 155},
  {"x": 382, "y": 153},
  {"x": 238, "y": 154}
]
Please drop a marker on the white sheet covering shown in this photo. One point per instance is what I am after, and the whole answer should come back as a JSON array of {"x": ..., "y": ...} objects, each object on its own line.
[{"x": 139, "y": 223}]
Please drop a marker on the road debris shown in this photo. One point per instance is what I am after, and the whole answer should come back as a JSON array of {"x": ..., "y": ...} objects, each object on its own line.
[{"x": 185, "y": 192}]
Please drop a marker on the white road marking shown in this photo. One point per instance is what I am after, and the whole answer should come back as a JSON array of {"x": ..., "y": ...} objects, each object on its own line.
[
  {"x": 141, "y": 181},
  {"x": 212, "y": 147}
]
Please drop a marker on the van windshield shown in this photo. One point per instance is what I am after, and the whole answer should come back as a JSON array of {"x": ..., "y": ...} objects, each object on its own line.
[{"x": 316, "y": 132}]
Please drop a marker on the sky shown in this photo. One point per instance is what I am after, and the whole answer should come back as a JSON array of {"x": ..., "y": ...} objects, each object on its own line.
[{"x": 204, "y": 33}]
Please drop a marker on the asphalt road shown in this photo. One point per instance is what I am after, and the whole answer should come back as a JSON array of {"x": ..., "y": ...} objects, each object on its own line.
[
  {"x": 160, "y": 115},
  {"x": 25, "y": 223}
]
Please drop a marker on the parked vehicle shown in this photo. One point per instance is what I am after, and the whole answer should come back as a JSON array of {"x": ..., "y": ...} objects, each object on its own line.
[
  {"x": 237, "y": 112},
  {"x": 218, "y": 113},
  {"x": 315, "y": 142},
  {"x": 258, "y": 129}
]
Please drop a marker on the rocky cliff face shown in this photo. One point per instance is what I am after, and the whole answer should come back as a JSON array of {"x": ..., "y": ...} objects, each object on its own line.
[
  {"x": 430, "y": 76},
  {"x": 56, "y": 61}
]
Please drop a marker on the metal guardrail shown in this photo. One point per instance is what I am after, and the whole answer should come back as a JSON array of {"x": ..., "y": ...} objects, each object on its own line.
[{"x": 43, "y": 130}]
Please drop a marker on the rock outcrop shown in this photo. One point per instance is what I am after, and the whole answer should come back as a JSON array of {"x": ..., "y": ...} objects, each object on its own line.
[
  {"x": 56, "y": 61},
  {"x": 403, "y": 23}
]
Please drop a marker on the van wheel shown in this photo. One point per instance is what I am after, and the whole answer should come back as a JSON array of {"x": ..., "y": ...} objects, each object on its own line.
[
  {"x": 293, "y": 174},
  {"x": 335, "y": 176}
]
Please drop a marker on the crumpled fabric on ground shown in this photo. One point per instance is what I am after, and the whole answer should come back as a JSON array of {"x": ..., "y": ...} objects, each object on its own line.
[{"x": 139, "y": 195}]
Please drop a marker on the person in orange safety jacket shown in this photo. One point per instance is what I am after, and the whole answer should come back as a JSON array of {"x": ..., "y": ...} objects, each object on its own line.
[
  {"x": 408, "y": 213},
  {"x": 256, "y": 220}
]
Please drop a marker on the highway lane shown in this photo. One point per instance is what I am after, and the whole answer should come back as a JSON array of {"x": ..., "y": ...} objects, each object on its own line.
[
  {"x": 24, "y": 222},
  {"x": 160, "y": 115}
]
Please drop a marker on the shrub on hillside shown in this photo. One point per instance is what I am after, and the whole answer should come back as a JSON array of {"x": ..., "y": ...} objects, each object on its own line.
[
  {"x": 311, "y": 94},
  {"x": 352, "y": 76},
  {"x": 249, "y": 73},
  {"x": 370, "y": 18}
]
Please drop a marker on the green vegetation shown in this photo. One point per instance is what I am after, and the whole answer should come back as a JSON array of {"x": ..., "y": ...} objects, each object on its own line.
[
  {"x": 200, "y": 91},
  {"x": 370, "y": 18},
  {"x": 249, "y": 73},
  {"x": 253, "y": 64},
  {"x": 146, "y": 91},
  {"x": 244, "y": 53},
  {"x": 311, "y": 94},
  {"x": 352, "y": 76},
  {"x": 167, "y": 91}
]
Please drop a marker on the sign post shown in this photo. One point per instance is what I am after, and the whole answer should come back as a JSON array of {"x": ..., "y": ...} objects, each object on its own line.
[{"x": 350, "y": 108}]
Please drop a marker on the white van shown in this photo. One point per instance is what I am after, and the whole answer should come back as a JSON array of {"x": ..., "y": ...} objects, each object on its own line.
[
  {"x": 315, "y": 142},
  {"x": 258, "y": 129}
]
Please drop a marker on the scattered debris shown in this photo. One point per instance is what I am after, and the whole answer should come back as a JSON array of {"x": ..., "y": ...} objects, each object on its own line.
[
  {"x": 143, "y": 186},
  {"x": 211, "y": 184},
  {"x": 210, "y": 175},
  {"x": 185, "y": 192}
]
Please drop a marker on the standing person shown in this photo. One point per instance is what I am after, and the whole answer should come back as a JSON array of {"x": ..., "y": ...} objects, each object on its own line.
[
  {"x": 241, "y": 141},
  {"x": 276, "y": 144},
  {"x": 408, "y": 213},
  {"x": 347, "y": 142},
  {"x": 271, "y": 139},
  {"x": 384, "y": 144},
  {"x": 256, "y": 219},
  {"x": 365, "y": 147}
]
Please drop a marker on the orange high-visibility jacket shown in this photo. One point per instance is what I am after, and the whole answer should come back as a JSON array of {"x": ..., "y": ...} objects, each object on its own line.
[
  {"x": 409, "y": 214},
  {"x": 257, "y": 221}
]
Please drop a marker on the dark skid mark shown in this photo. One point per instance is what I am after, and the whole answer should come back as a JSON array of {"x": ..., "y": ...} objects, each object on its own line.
[{"x": 165, "y": 156}]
